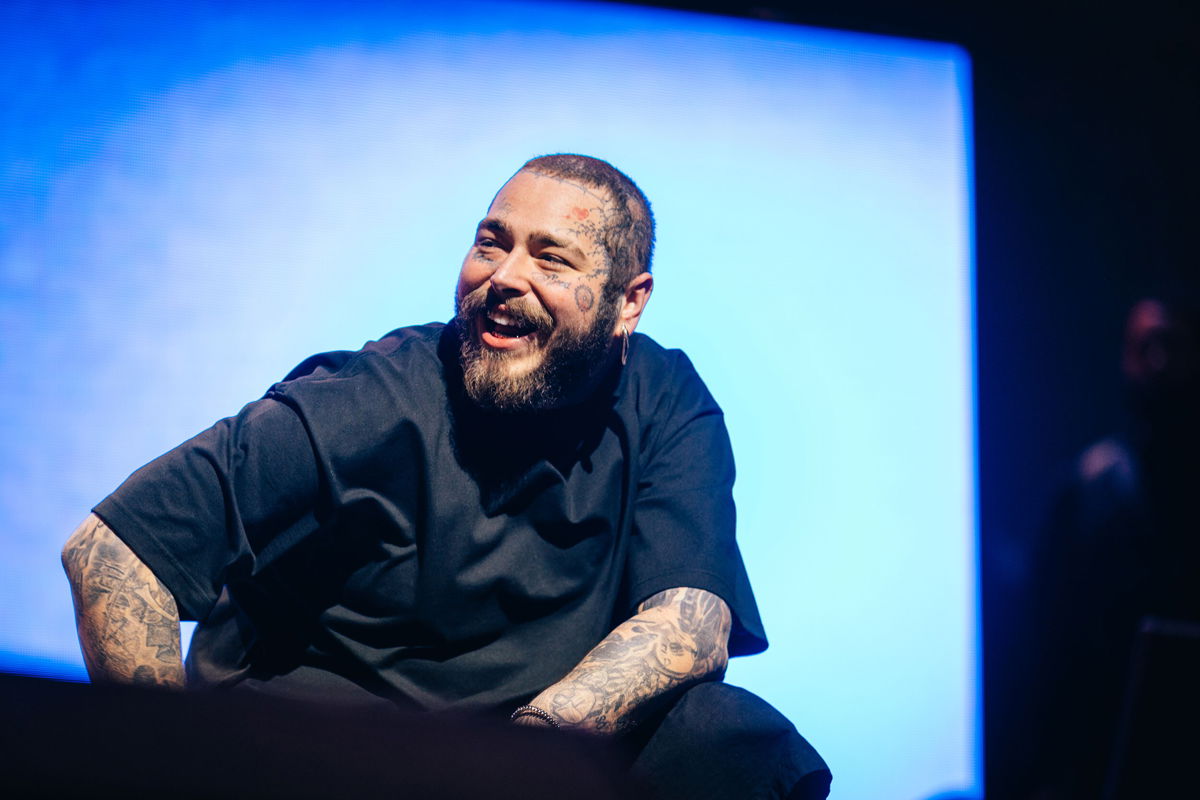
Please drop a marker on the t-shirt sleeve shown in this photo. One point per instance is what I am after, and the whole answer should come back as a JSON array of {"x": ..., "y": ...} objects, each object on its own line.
[
  {"x": 684, "y": 518},
  {"x": 217, "y": 506}
]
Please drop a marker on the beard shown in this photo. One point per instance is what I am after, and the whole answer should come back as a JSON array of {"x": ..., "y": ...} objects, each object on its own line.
[{"x": 568, "y": 359}]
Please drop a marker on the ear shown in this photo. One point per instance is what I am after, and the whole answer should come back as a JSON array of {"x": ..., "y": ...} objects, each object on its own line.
[{"x": 637, "y": 294}]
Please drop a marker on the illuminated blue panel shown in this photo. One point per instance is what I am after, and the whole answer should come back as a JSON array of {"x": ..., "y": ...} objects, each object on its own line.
[{"x": 196, "y": 196}]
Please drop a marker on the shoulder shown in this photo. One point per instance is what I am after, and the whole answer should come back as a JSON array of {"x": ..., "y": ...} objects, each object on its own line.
[
  {"x": 368, "y": 392},
  {"x": 1108, "y": 460},
  {"x": 645, "y": 353},
  {"x": 662, "y": 380},
  {"x": 1102, "y": 485},
  {"x": 664, "y": 399},
  {"x": 417, "y": 342}
]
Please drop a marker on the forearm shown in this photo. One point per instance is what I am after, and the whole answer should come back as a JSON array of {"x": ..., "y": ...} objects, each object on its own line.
[
  {"x": 679, "y": 637},
  {"x": 127, "y": 620}
]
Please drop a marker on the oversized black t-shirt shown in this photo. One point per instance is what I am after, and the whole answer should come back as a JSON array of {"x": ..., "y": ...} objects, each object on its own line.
[{"x": 364, "y": 530}]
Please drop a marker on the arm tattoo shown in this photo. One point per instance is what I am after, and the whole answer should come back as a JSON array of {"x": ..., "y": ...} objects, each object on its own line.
[
  {"x": 678, "y": 637},
  {"x": 127, "y": 621}
]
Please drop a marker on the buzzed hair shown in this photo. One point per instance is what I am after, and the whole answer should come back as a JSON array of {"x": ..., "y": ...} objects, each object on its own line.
[{"x": 627, "y": 236}]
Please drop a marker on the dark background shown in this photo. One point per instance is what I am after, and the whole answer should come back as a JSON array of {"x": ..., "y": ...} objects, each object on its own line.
[{"x": 1086, "y": 123}]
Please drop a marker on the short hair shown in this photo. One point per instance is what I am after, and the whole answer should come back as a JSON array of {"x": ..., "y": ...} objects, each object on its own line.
[{"x": 627, "y": 237}]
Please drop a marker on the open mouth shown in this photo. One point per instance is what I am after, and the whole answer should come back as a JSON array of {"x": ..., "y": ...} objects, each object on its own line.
[{"x": 501, "y": 329}]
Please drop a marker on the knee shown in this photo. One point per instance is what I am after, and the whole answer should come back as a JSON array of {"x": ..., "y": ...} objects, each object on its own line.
[
  {"x": 717, "y": 706},
  {"x": 729, "y": 736}
]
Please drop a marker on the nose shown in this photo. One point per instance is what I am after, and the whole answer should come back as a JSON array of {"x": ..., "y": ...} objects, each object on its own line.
[{"x": 511, "y": 277}]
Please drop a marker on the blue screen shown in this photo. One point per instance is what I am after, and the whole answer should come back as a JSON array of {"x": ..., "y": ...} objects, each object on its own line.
[{"x": 197, "y": 196}]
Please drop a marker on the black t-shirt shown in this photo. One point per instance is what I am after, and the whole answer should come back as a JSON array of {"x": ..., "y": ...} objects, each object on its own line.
[{"x": 364, "y": 530}]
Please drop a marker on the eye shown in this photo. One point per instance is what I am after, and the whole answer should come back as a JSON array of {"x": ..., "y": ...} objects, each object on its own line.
[
  {"x": 485, "y": 241},
  {"x": 553, "y": 259}
]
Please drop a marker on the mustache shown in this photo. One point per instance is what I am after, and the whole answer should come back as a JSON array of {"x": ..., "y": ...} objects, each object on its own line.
[{"x": 525, "y": 312}]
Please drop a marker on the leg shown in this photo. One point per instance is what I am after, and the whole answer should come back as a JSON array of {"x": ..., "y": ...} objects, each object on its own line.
[{"x": 718, "y": 741}]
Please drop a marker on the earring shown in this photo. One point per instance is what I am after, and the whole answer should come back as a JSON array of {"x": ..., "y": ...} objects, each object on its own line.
[{"x": 624, "y": 344}]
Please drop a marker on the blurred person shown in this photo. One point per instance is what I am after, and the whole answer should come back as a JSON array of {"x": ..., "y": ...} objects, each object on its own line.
[{"x": 1121, "y": 545}]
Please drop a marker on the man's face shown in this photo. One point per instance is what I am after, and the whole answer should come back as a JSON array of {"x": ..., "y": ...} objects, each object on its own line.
[
  {"x": 1159, "y": 347},
  {"x": 535, "y": 330}
]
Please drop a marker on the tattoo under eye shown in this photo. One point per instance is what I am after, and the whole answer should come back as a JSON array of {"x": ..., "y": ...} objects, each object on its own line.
[{"x": 553, "y": 279}]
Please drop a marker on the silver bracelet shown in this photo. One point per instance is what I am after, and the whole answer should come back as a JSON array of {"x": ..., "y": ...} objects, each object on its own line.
[{"x": 534, "y": 711}]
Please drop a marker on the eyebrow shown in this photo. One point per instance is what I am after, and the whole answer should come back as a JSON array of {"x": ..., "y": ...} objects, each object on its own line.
[
  {"x": 540, "y": 238},
  {"x": 546, "y": 240},
  {"x": 495, "y": 226}
]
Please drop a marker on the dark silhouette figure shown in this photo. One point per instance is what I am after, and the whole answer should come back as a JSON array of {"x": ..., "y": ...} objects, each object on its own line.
[{"x": 1122, "y": 546}]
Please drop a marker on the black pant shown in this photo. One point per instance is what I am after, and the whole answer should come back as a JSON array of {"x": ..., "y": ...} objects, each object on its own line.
[{"x": 719, "y": 741}]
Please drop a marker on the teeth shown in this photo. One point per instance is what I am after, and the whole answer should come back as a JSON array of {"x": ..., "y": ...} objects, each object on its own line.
[{"x": 501, "y": 319}]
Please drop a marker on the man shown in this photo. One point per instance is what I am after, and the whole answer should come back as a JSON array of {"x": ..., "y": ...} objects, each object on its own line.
[
  {"x": 1120, "y": 547},
  {"x": 527, "y": 511}
]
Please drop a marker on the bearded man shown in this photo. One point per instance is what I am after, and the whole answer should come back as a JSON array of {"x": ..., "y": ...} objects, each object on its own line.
[{"x": 525, "y": 512}]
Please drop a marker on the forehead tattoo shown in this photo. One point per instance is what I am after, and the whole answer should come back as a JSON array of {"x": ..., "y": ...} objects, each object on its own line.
[
  {"x": 583, "y": 187},
  {"x": 591, "y": 223}
]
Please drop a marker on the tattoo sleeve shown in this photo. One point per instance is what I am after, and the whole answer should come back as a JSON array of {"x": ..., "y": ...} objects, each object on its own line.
[
  {"x": 127, "y": 620},
  {"x": 678, "y": 637}
]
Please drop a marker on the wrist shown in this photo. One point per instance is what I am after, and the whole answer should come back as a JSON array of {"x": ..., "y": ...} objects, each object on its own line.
[{"x": 525, "y": 715}]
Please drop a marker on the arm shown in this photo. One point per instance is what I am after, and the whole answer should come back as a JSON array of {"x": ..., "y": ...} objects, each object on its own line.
[
  {"x": 678, "y": 637},
  {"x": 127, "y": 620}
]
